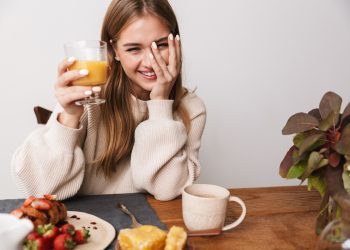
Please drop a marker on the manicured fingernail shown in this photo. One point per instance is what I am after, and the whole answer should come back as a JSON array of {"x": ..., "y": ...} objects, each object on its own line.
[
  {"x": 71, "y": 59},
  {"x": 96, "y": 89},
  {"x": 154, "y": 45},
  {"x": 171, "y": 37},
  {"x": 177, "y": 37},
  {"x": 88, "y": 92},
  {"x": 151, "y": 55},
  {"x": 83, "y": 72}
]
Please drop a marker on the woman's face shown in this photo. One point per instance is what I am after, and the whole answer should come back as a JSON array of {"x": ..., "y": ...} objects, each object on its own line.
[{"x": 133, "y": 48}]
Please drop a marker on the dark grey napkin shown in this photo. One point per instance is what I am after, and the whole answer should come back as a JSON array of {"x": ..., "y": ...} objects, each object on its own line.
[{"x": 104, "y": 207}]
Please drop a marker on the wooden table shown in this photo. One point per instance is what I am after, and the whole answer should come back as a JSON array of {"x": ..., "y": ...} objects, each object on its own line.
[{"x": 280, "y": 218}]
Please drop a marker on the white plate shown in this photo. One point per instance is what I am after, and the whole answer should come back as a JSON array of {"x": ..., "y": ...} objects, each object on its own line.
[{"x": 101, "y": 234}]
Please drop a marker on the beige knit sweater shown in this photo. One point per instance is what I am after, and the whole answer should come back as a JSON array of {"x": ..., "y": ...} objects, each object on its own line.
[{"x": 58, "y": 160}]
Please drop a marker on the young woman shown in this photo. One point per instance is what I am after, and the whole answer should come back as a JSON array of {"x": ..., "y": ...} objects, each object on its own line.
[{"x": 147, "y": 135}]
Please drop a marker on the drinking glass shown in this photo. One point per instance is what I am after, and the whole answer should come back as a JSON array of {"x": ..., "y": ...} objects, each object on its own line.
[{"x": 90, "y": 55}]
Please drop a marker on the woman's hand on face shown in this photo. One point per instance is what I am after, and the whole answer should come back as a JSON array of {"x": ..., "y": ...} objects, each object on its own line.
[
  {"x": 166, "y": 74},
  {"x": 66, "y": 94}
]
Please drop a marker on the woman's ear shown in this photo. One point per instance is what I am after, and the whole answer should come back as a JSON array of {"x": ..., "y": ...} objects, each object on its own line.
[{"x": 116, "y": 55}]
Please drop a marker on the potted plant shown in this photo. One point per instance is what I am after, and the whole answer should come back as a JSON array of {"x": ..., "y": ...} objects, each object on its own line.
[{"x": 321, "y": 155}]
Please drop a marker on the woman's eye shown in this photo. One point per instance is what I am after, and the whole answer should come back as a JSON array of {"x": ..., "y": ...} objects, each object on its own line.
[
  {"x": 162, "y": 45},
  {"x": 132, "y": 49}
]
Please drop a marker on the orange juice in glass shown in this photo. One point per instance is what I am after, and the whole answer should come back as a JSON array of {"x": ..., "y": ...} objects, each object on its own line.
[{"x": 90, "y": 55}]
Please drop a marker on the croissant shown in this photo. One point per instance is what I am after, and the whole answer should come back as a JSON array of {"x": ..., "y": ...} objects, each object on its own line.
[{"x": 42, "y": 211}]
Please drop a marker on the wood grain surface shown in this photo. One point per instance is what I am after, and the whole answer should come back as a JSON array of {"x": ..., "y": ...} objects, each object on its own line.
[{"x": 278, "y": 218}]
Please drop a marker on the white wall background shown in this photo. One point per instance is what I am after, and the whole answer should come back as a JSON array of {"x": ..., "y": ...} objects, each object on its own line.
[{"x": 255, "y": 63}]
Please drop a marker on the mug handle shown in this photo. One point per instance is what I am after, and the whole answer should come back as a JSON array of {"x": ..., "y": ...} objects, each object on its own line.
[{"x": 241, "y": 218}]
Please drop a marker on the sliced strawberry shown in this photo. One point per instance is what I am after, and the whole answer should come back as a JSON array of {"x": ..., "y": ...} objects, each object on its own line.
[
  {"x": 28, "y": 201},
  {"x": 17, "y": 212},
  {"x": 33, "y": 236},
  {"x": 68, "y": 229},
  {"x": 41, "y": 204},
  {"x": 81, "y": 235},
  {"x": 63, "y": 242},
  {"x": 51, "y": 197}
]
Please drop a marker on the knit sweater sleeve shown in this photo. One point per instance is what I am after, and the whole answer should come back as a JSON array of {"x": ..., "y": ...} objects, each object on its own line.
[
  {"x": 164, "y": 158},
  {"x": 50, "y": 161}
]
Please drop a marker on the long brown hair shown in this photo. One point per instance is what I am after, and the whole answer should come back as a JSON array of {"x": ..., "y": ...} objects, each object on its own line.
[{"x": 117, "y": 115}]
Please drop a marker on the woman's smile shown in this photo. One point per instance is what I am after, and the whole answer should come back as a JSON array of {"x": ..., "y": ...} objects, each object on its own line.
[{"x": 149, "y": 75}]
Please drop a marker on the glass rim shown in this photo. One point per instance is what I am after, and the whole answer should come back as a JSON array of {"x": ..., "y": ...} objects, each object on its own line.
[{"x": 86, "y": 43}]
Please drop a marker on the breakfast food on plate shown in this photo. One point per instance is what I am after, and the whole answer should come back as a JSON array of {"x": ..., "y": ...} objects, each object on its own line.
[
  {"x": 176, "y": 239},
  {"x": 42, "y": 211},
  {"x": 47, "y": 214},
  {"x": 148, "y": 237}
]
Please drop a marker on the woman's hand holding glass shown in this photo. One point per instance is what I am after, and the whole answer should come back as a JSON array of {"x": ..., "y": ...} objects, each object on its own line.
[
  {"x": 166, "y": 74},
  {"x": 67, "y": 95}
]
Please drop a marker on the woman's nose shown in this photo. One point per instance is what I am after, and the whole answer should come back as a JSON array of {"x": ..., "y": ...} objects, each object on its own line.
[{"x": 146, "y": 60}]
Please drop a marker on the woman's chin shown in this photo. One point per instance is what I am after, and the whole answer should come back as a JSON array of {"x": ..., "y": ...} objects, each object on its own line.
[{"x": 148, "y": 87}]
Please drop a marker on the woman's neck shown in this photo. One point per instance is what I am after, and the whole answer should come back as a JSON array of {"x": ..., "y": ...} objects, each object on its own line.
[{"x": 142, "y": 95}]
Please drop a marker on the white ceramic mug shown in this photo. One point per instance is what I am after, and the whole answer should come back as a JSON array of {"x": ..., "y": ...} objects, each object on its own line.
[{"x": 204, "y": 207}]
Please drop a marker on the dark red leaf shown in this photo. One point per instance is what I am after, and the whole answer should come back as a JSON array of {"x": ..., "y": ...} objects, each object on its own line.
[
  {"x": 287, "y": 162},
  {"x": 315, "y": 113},
  {"x": 299, "y": 122},
  {"x": 346, "y": 112},
  {"x": 330, "y": 102},
  {"x": 343, "y": 145}
]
